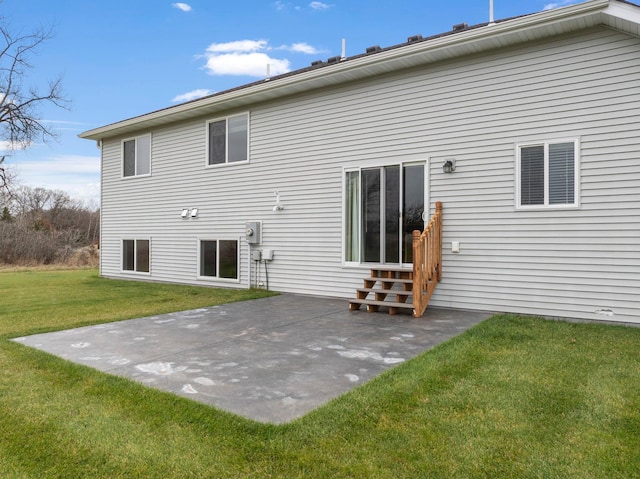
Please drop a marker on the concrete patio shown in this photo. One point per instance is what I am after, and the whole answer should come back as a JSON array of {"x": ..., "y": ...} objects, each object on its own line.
[{"x": 271, "y": 360}]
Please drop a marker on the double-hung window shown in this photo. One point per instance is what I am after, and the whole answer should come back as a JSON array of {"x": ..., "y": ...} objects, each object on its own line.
[
  {"x": 136, "y": 156},
  {"x": 547, "y": 175},
  {"x": 228, "y": 140},
  {"x": 218, "y": 259},
  {"x": 136, "y": 255}
]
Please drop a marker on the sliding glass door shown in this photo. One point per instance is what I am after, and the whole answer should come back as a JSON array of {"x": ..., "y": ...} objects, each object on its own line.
[{"x": 383, "y": 205}]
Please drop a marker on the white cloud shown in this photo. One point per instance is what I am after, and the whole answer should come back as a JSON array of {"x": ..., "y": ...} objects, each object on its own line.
[
  {"x": 192, "y": 95},
  {"x": 238, "y": 46},
  {"x": 62, "y": 165},
  {"x": 244, "y": 57},
  {"x": 252, "y": 64},
  {"x": 78, "y": 176},
  {"x": 561, "y": 3},
  {"x": 7, "y": 147},
  {"x": 301, "y": 48},
  {"x": 319, "y": 6},
  {"x": 182, "y": 6},
  {"x": 65, "y": 125}
]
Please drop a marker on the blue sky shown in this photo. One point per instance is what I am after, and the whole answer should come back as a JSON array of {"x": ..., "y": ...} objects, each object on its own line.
[{"x": 120, "y": 59}]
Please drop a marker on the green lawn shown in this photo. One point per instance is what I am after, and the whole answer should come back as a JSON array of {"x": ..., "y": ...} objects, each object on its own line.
[{"x": 513, "y": 397}]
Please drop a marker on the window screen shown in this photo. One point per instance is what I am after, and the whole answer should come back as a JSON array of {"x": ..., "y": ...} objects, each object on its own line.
[
  {"x": 561, "y": 173},
  {"x": 217, "y": 142}
]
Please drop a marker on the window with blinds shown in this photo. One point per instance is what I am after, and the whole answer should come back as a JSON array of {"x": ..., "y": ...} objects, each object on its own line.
[{"x": 547, "y": 175}]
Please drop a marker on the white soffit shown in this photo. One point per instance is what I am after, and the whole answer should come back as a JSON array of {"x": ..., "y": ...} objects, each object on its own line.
[{"x": 621, "y": 16}]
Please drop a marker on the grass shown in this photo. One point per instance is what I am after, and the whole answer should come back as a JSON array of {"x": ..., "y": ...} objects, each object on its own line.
[{"x": 513, "y": 397}]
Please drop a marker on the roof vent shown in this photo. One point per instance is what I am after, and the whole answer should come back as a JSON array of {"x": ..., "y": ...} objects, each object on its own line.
[
  {"x": 316, "y": 63},
  {"x": 460, "y": 26},
  {"x": 374, "y": 49},
  {"x": 333, "y": 59},
  {"x": 415, "y": 38}
]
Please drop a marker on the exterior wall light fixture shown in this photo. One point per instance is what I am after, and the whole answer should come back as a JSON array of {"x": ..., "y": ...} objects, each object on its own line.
[
  {"x": 189, "y": 213},
  {"x": 449, "y": 165}
]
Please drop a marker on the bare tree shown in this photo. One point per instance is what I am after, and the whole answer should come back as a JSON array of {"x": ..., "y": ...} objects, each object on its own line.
[
  {"x": 7, "y": 175},
  {"x": 20, "y": 123}
]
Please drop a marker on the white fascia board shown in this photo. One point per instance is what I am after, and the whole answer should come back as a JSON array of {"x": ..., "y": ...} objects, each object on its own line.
[{"x": 360, "y": 67}]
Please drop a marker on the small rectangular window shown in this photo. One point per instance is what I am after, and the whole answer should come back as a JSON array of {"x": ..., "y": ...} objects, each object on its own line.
[
  {"x": 228, "y": 140},
  {"x": 135, "y": 255},
  {"x": 219, "y": 259},
  {"x": 547, "y": 174},
  {"x": 136, "y": 156}
]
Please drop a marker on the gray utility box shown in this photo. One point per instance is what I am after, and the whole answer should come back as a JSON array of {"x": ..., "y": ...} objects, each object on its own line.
[{"x": 253, "y": 232}]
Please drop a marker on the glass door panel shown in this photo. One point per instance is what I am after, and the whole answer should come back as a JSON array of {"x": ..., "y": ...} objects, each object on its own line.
[
  {"x": 371, "y": 209},
  {"x": 391, "y": 214},
  {"x": 412, "y": 207},
  {"x": 352, "y": 216}
]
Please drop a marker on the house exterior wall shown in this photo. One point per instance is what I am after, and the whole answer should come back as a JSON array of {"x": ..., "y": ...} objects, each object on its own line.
[{"x": 568, "y": 262}]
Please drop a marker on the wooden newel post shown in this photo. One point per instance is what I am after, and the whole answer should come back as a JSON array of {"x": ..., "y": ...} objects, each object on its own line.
[
  {"x": 439, "y": 242},
  {"x": 417, "y": 273}
]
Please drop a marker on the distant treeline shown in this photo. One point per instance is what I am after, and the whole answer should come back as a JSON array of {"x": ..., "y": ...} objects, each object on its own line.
[{"x": 40, "y": 226}]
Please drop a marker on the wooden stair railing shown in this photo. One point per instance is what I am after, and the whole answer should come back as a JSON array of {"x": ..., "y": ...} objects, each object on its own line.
[
  {"x": 427, "y": 261},
  {"x": 397, "y": 288}
]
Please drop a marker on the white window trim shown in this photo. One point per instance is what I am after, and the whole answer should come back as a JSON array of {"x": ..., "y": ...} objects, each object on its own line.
[
  {"x": 217, "y": 278},
  {"x": 136, "y": 157},
  {"x": 226, "y": 153},
  {"x": 136, "y": 239},
  {"x": 576, "y": 173}
]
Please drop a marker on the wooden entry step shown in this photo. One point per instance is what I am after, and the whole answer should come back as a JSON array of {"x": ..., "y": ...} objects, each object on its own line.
[{"x": 388, "y": 287}]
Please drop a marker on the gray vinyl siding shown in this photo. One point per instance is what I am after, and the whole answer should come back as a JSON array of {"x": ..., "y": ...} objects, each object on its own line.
[
  {"x": 569, "y": 263},
  {"x": 572, "y": 262}
]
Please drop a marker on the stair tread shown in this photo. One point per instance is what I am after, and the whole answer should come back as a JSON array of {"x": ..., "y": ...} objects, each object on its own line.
[
  {"x": 387, "y": 291},
  {"x": 382, "y": 303},
  {"x": 390, "y": 280}
]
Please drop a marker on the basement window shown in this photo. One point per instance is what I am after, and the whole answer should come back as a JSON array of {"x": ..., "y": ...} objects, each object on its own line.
[
  {"x": 136, "y": 255},
  {"x": 218, "y": 259}
]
